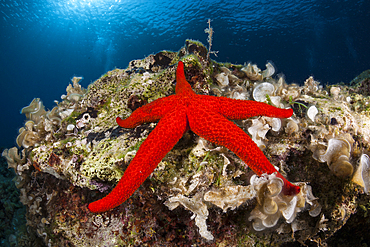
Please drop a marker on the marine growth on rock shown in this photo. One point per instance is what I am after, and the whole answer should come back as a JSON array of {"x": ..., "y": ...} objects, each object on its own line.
[{"x": 200, "y": 191}]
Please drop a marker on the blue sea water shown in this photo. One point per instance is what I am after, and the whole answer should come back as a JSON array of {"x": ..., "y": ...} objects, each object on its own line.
[{"x": 44, "y": 43}]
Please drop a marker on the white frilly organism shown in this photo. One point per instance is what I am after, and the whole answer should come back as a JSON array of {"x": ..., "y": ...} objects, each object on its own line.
[
  {"x": 34, "y": 110},
  {"x": 230, "y": 197},
  {"x": 272, "y": 203},
  {"x": 269, "y": 71},
  {"x": 145, "y": 76},
  {"x": 70, "y": 127},
  {"x": 27, "y": 137},
  {"x": 255, "y": 74},
  {"x": 225, "y": 78},
  {"x": 258, "y": 130},
  {"x": 195, "y": 205},
  {"x": 261, "y": 126},
  {"x": 261, "y": 90},
  {"x": 365, "y": 173},
  {"x": 252, "y": 71},
  {"x": 334, "y": 91},
  {"x": 74, "y": 90},
  {"x": 40, "y": 125},
  {"x": 310, "y": 86},
  {"x": 222, "y": 79},
  {"x": 14, "y": 158},
  {"x": 265, "y": 92},
  {"x": 362, "y": 174},
  {"x": 291, "y": 126},
  {"x": 312, "y": 112},
  {"x": 337, "y": 157},
  {"x": 275, "y": 123},
  {"x": 83, "y": 121}
]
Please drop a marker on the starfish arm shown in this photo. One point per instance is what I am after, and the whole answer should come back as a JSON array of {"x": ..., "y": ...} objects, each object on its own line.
[
  {"x": 181, "y": 84},
  {"x": 217, "y": 129},
  {"x": 242, "y": 109},
  {"x": 159, "y": 142},
  {"x": 148, "y": 113}
]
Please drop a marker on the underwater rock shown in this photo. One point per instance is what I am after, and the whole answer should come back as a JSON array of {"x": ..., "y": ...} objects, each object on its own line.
[
  {"x": 360, "y": 79},
  {"x": 199, "y": 191},
  {"x": 197, "y": 48}
]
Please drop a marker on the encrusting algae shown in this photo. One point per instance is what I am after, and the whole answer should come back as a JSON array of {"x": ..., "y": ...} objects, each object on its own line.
[{"x": 200, "y": 193}]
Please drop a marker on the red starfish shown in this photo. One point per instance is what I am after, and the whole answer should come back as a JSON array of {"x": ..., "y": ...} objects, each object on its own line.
[{"x": 208, "y": 117}]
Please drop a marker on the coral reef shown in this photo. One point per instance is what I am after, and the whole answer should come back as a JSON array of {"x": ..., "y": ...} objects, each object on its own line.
[{"x": 200, "y": 194}]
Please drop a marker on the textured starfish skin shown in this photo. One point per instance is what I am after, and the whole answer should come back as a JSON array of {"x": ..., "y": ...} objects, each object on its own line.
[{"x": 208, "y": 117}]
